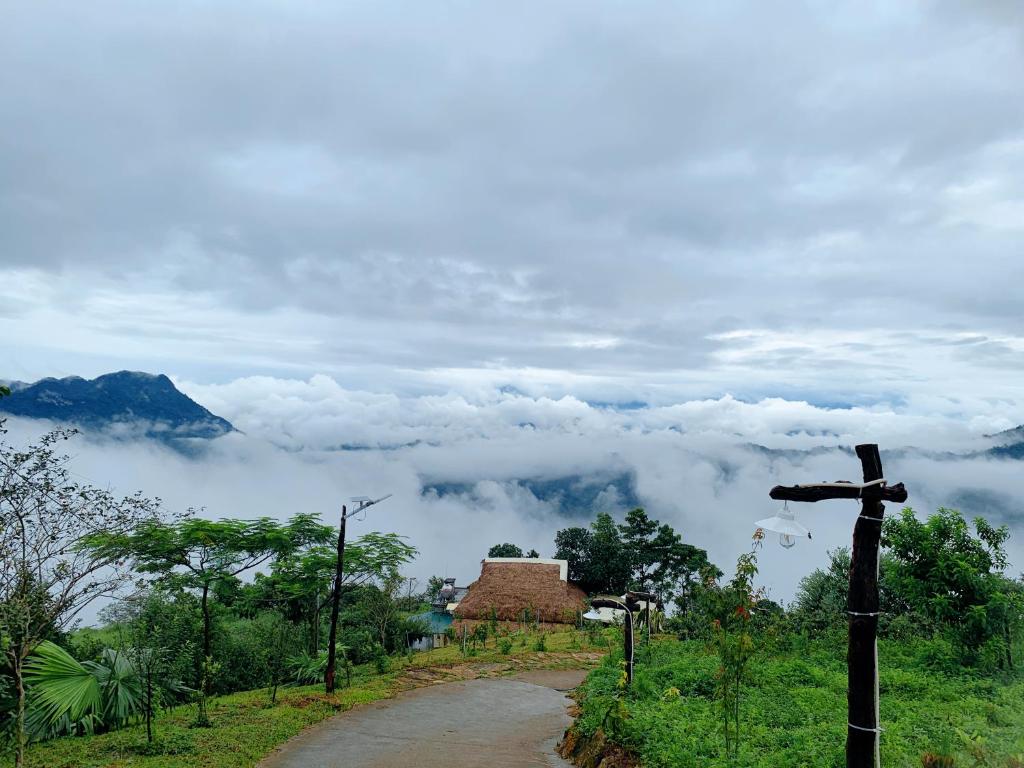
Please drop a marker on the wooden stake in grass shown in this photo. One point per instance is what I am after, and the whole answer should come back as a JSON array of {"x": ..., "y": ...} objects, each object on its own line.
[{"x": 862, "y": 742}]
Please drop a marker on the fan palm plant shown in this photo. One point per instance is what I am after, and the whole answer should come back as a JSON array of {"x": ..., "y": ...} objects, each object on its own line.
[
  {"x": 309, "y": 669},
  {"x": 121, "y": 685},
  {"x": 72, "y": 696},
  {"x": 66, "y": 697}
]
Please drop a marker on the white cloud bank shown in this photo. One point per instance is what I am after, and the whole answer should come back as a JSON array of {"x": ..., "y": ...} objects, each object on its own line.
[{"x": 692, "y": 464}]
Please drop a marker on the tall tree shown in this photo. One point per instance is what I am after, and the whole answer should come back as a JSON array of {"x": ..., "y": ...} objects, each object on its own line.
[
  {"x": 609, "y": 558},
  {"x": 572, "y": 545},
  {"x": 198, "y": 554},
  {"x": 47, "y": 576},
  {"x": 434, "y": 586},
  {"x": 598, "y": 561},
  {"x": 658, "y": 558}
]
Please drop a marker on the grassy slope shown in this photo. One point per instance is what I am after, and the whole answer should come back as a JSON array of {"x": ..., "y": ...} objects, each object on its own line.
[
  {"x": 246, "y": 728},
  {"x": 794, "y": 713}
]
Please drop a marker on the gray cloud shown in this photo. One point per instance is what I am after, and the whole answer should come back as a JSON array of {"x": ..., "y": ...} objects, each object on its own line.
[{"x": 582, "y": 188}]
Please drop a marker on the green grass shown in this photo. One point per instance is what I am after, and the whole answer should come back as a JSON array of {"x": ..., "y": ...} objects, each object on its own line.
[
  {"x": 246, "y": 728},
  {"x": 794, "y": 710}
]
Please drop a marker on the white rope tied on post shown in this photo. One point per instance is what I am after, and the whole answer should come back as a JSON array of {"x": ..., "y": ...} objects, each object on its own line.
[{"x": 868, "y": 730}]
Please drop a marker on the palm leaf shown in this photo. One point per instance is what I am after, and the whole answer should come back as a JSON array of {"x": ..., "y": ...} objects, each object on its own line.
[
  {"x": 120, "y": 684},
  {"x": 61, "y": 686}
]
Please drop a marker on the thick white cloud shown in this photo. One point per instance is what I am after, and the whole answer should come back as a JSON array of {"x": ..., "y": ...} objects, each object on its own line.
[{"x": 694, "y": 464}]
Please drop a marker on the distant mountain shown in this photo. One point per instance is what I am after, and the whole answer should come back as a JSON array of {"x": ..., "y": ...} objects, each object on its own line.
[
  {"x": 571, "y": 496},
  {"x": 1010, "y": 444},
  {"x": 125, "y": 402}
]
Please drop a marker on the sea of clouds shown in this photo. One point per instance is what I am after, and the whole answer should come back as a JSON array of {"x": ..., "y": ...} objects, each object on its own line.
[{"x": 705, "y": 466}]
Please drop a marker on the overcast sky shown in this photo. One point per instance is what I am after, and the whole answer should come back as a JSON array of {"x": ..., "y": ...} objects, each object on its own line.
[
  {"x": 334, "y": 222},
  {"x": 818, "y": 199}
]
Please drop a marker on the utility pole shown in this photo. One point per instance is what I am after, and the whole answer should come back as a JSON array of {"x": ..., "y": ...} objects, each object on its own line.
[
  {"x": 363, "y": 502},
  {"x": 862, "y": 742}
]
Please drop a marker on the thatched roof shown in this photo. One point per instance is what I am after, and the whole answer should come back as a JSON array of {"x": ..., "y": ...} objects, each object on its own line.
[{"x": 511, "y": 586}]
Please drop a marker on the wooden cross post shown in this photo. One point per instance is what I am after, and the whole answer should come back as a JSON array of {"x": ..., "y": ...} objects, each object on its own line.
[{"x": 861, "y": 599}]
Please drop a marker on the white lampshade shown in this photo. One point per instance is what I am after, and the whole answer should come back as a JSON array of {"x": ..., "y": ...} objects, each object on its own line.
[
  {"x": 784, "y": 523},
  {"x": 592, "y": 615}
]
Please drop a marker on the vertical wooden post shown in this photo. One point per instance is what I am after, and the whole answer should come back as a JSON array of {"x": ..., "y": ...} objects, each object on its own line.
[
  {"x": 335, "y": 605},
  {"x": 862, "y": 743}
]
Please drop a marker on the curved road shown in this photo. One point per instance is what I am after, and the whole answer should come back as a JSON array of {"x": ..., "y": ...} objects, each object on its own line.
[{"x": 499, "y": 722}]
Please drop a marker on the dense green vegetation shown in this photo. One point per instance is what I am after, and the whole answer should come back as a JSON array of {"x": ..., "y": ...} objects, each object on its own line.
[
  {"x": 794, "y": 705},
  {"x": 747, "y": 683}
]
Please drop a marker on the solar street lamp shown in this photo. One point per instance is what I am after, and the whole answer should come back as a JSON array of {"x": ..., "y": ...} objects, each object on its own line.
[{"x": 363, "y": 502}]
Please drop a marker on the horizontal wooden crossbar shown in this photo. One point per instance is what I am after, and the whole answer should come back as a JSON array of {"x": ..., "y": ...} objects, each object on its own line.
[{"x": 813, "y": 492}]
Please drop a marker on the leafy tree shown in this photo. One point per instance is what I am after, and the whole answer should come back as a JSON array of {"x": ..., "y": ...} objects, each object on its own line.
[
  {"x": 955, "y": 578},
  {"x": 505, "y": 550},
  {"x": 196, "y": 553},
  {"x": 820, "y": 601},
  {"x": 639, "y": 554},
  {"x": 573, "y": 545},
  {"x": 300, "y": 583},
  {"x": 658, "y": 558},
  {"x": 609, "y": 558},
  {"x": 598, "y": 560},
  {"x": 382, "y": 607},
  {"x": 434, "y": 586},
  {"x": 47, "y": 575},
  {"x": 533, "y": 553}
]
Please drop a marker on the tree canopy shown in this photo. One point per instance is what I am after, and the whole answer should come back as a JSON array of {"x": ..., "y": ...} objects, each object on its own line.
[
  {"x": 946, "y": 573},
  {"x": 641, "y": 553},
  {"x": 505, "y": 550}
]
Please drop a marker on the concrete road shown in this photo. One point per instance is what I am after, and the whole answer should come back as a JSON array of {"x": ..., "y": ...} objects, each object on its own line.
[{"x": 496, "y": 722}]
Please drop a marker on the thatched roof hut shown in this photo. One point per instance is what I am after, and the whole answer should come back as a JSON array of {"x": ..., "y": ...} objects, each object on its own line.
[{"x": 512, "y": 585}]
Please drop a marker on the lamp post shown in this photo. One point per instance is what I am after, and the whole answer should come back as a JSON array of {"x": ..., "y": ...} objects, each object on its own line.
[
  {"x": 627, "y": 627},
  {"x": 862, "y": 742},
  {"x": 363, "y": 502}
]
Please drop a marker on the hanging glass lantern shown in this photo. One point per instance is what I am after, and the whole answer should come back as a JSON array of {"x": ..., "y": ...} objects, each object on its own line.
[{"x": 784, "y": 523}]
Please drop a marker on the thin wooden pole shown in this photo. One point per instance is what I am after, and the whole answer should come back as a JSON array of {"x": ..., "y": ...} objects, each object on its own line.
[
  {"x": 335, "y": 606},
  {"x": 862, "y": 738}
]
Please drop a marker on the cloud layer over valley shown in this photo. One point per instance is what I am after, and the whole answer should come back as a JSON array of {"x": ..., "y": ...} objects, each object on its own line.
[{"x": 471, "y": 471}]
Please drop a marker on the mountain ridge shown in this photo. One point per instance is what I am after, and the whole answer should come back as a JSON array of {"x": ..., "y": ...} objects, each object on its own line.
[{"x": 122, "y": 398}]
